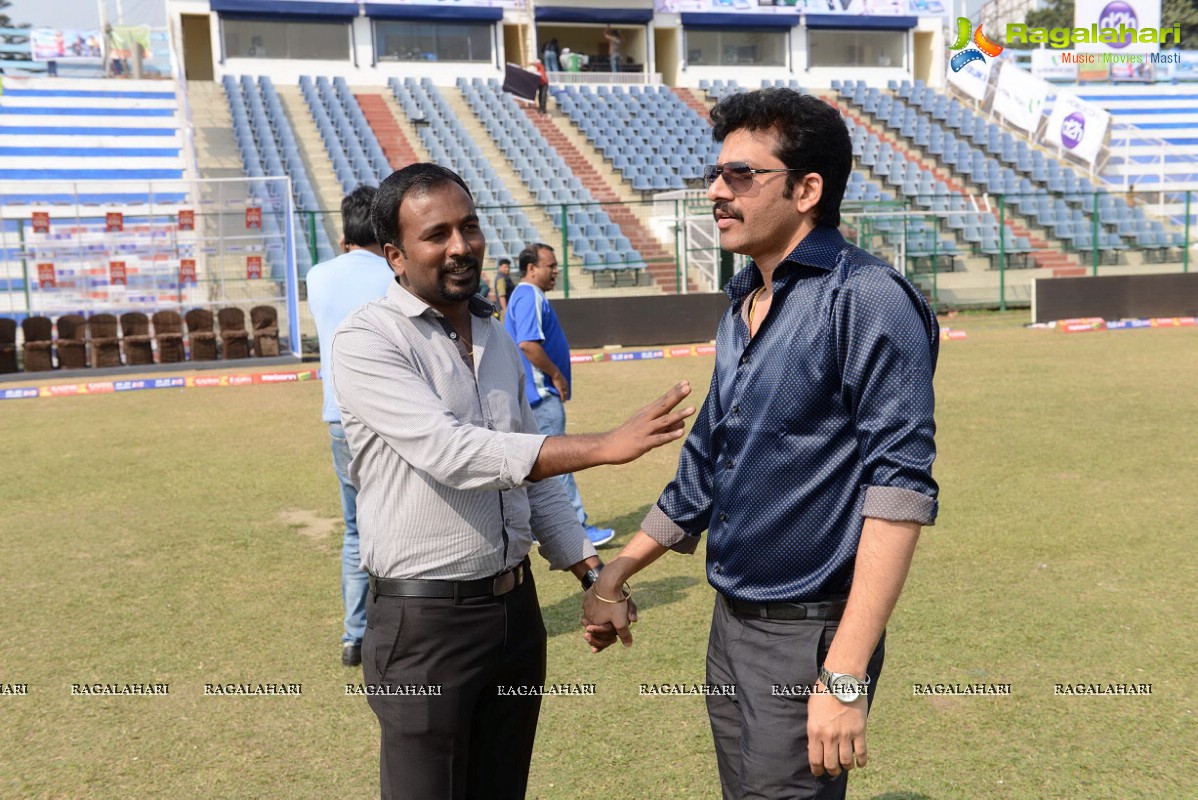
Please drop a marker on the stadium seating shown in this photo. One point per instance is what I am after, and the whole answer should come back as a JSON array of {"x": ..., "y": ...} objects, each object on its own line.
[
  {"x": 71, "y": 341},
  {"x": 200, "y": 334},
  {"x": 136, "y": 340},
  {"x": 234, "y": 338},
  {"x": 357, "y": 157},
  {"x": 105, "y": 341},
  {"x": 506, "y": 226},
  {"x": 168, "y": 336},
  {"x": 594, "y": 239},
  {"x": 8, "y": 345},
  {"x": 265, "y": 321},
  {"x": 38, "y": 348}
]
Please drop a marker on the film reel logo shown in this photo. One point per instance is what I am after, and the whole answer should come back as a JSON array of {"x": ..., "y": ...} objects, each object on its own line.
[{"x": 967, "y": 34}]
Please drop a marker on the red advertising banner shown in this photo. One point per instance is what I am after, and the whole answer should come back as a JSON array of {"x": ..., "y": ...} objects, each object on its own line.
[
  {"x": 41, "y": 221},
  {"x": 116, "y": 273},
  {"x": 253, "y": 218},
  {"x": 253, "y": 267},
  {"x": 187, "y": 271},
  {"x": 114, "y": 222},
  {"x": 45, "y": 276},
  {"x": 187, "y": 219}
]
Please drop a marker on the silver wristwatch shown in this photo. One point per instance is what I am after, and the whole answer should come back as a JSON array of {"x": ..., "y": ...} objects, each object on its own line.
[{"x": 844, "y": 687}]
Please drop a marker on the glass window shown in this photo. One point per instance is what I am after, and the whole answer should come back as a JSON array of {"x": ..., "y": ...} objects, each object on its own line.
[
  {"x": 735, "y": 48},
  {"x": 252, "y": 38},
  {"x": 856, "y": 48},
  {"x": 433, "y": 41}
]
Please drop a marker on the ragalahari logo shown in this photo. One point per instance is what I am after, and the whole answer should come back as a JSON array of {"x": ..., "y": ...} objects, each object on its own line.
[{"x": 984, "y": 45}]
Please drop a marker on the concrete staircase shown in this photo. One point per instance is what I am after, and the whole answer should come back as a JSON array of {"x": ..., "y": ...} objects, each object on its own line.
[
  {"x": 659, "y": 261},
  {"x": 395, "y": 144},
  {"x": 312, "y": 150},
  {"x": 694, "y": 100},
  {"x": 538, "y": 215},
  {"x": 216, "y": 148}
]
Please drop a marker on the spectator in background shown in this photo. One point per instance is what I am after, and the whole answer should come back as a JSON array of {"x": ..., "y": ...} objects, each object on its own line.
[
  {"x": 573, "y": 62},
  {"x": 335, "y": 288},
  {"x": 614, "y": 40},
  {"x": 543, "y": 87},
  {"x": 503, "y": 284},
  {"x": 533, "y": 324},
  {"x": 550, "y": 55}
]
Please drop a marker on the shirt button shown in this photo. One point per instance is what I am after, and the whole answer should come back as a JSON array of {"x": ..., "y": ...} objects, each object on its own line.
[
  {"x": 736, "y": 409},
  {"x": 453, "y": 335},
  {"x": 723, "y": 517},
  {"x": 730, "y": 464},
  {"x": 716, "y": 568},
  {"x": 744, "y": 359}
]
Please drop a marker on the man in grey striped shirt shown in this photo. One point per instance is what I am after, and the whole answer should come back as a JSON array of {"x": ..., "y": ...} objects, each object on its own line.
[{"x": 451, "y": 472}]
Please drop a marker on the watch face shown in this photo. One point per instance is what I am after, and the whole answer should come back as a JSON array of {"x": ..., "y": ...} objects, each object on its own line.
[{"x": 845, "y": 688}]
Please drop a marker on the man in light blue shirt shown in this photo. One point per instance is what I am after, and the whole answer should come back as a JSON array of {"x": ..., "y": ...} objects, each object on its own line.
[
  {"x": 532, "y": 323},
  {"x": 335, "y": 289}
]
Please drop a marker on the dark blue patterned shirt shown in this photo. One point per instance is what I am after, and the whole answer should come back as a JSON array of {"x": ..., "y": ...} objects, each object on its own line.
[{"x": 821, "y": 419}]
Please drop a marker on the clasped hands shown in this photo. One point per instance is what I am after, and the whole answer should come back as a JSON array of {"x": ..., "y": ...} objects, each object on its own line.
[{"x": 607, "y": 614}]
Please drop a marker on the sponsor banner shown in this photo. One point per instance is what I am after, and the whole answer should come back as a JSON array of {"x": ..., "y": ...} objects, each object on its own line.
[
  {"x": 19, "y": 394},
  {"x": 187, "y": 271},
  {"x": 951, "y": 335},
  {"x": 46, "y": 278},
  {"x": 253, "y": 218},
  {"x": 187, "y": 219},
  {"x": 116, "y": 273},
  {"x": 876, "y": 8},
  {"x": 1096, "y": 72},
  {"x": 1084, "y": 325},
  {"x": 40, "y": 220},
  {"x": 1142, "y": 72},
  {"x": 66, "y": 44},
  {"x": 1077, "y": 126},
  {"x": 973, "y": 78},
  {"x": 145, "y": 384},
  {"x": 1048, "y": 65},
  {"x": 114, "y": 222},
  {"x": 1098, "y": 14},
  {"x": 253, "y": 267},
  {"x": 1020, "y": 97}
]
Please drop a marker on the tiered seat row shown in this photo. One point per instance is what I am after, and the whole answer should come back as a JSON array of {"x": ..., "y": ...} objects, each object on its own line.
[
  {"x": 506, "y": 227},
  {"x": 351, "y": 144},
  {"x": 595, "y": 241},
  {"x": 656, "y": 141}
]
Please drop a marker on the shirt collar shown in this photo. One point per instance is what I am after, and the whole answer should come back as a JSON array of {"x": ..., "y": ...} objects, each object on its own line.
[
  {"x": 820, "y": 249},
  {"x": 412, "y": 306}
]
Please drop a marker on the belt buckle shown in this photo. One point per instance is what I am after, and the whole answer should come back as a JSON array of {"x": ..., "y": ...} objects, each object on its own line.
[
  {"x": 506, "y": 582},
  {"x": 801, "y": 608}
]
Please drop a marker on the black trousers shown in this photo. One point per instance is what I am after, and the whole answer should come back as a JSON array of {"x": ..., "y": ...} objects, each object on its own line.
[
  {"x": 760, "y": 737},
  {"x": 471, "y": 741},
  {"x": 542, "y": 97}
]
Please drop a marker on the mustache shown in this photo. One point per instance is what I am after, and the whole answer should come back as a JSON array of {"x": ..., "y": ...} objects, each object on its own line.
[
  {"x": 459, "y": 263},
  {"x": 725, "y": 207}
]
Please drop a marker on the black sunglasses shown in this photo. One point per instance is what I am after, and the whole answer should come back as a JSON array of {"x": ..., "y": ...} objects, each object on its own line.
[{"x": 735, "y": 173}]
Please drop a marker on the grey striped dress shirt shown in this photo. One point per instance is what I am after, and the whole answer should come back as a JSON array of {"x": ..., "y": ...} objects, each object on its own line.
[{"x": 441, "y": 452}]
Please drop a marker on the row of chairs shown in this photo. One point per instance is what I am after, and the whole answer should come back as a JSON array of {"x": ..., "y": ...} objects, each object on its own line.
[{"x": 103, "y": 340}]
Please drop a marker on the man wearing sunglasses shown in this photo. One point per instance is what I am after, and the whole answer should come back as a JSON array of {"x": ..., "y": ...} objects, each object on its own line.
[{"x": 809, "y": 464}]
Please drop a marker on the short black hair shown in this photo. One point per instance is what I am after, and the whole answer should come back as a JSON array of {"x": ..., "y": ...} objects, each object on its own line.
[
  {"x": 503, "y": 261},
  {"x": 812, "y": 137},
  {"x": 529, "y": 255},
  {"x": 356, "y": 225},
  {"x": 420, "y": 178}
]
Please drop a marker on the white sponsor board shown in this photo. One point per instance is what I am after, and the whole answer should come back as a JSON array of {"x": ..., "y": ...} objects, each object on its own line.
[
  {"x": 1076, "y": 126},
  {"x": 1098, "y": 14},
  {"x": 1020, "y": 97},
  {"x": 1049, "y": 65},
  {"x": 973, "y": 78}
]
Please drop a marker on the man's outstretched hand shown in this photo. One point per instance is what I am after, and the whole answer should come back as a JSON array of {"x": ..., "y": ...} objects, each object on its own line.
[{"x": 651, "y": 427}]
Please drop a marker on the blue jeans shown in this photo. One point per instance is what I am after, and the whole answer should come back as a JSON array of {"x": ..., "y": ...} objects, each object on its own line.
[
  {"x": 551, "y": 421},
  {"x": 354, "y": 580}
]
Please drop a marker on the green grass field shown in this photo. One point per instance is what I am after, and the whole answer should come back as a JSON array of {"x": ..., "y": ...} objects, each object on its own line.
[{"x": 193, "y": 537}]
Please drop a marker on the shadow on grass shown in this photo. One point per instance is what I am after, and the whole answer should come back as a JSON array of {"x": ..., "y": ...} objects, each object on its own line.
[
  {"x": 901, "y": 796},
  {"x": 563, "y": 616}
]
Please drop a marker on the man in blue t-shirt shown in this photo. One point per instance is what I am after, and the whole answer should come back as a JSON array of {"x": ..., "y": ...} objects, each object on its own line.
[
  {"x": 336, "y": 288},
  {"x": 530, "y": 320}
]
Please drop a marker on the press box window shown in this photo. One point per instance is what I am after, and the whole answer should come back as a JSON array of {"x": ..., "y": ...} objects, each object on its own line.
[
  {"x": 735, "y": 48},
  {"x": 252, "y": 38},
  {"x": 856, "y": 48},
  {"x": 433, "y": 41}
]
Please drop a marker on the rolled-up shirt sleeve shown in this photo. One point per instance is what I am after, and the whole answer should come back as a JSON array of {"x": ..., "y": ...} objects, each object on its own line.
[
  {"x": 683, "y": 511},
  {"x": 378, "y": 385},
  {"x": 887, "y": 348}
]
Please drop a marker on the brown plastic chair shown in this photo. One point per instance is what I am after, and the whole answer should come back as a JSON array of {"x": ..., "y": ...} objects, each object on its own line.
[
  {"x": 168, "y": 333},
  {"x": 136, "y": 339},
  {"x": 39, "y": 344},
  {"x": 106, "y": 347},
  {"x": 203, "y": 338},
  {"x": 233, "y": 336},
  {"x": 8, "y": 345},
  {"x": 265, "y": 320},
  {"x": 72, "y": 342}
]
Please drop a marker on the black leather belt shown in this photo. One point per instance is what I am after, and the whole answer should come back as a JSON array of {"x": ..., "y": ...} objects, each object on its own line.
[
  {"x": 500, "y": 584},
  {"x": 826, "y": 610}
]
